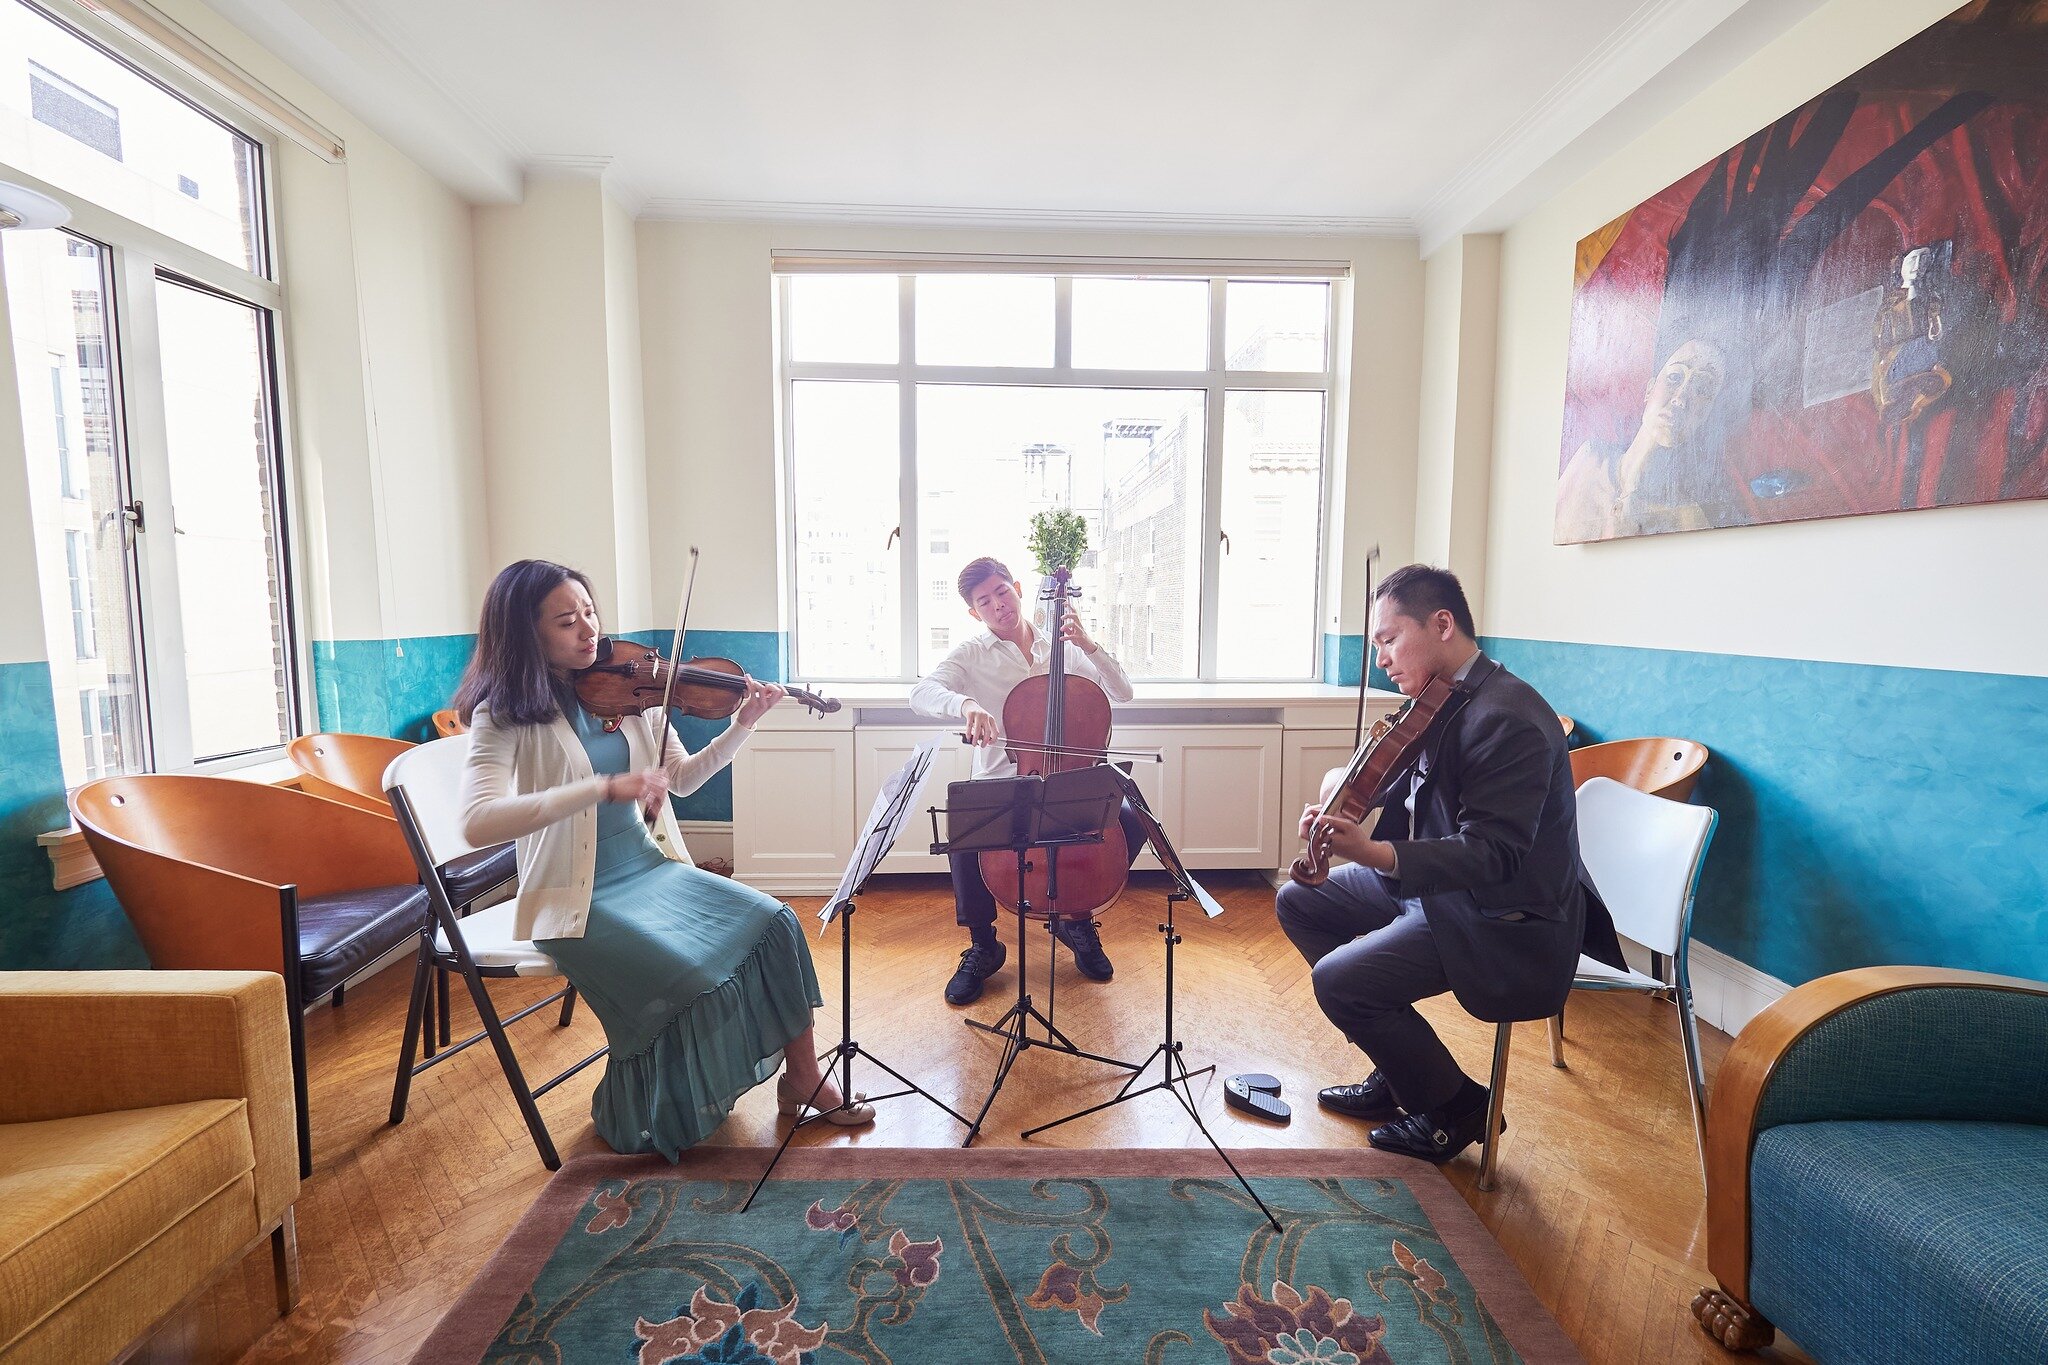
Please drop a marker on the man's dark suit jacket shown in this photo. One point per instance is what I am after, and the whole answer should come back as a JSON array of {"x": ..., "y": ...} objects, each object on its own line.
[{"x": 1494, "y": 853}]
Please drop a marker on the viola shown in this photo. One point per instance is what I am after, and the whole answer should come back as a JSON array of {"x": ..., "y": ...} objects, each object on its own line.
[
  {"x": 1072, "y": 713},
  {"x": 1389, "y": 748},
  {"x": 629, "y": 678}
]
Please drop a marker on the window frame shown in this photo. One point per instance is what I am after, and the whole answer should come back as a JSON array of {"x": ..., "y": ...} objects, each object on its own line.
[
  {"x": 135, "y": 258},
  {"x": 1214, "y": 381}
]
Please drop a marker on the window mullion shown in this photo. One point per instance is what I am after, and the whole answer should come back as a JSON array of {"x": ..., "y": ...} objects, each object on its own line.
[
  {"x": 908, "y": 620},
  {"x": 1212, "y": 488},
  {"x": 154, "y": 548},
  {"x": 1063, "y": 326}
]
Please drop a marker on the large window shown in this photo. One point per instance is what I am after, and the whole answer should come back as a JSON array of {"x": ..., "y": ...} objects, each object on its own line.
[
  {"x": 1187, "y": 417},
  {"x": 144, "y": 339}
]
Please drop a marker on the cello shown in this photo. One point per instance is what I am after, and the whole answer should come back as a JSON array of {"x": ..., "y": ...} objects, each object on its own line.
[{"x": 1072, "y": 713}]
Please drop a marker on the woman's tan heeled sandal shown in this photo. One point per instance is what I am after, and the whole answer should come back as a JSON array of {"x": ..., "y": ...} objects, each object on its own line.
[{"x": 853, "y": 1114}]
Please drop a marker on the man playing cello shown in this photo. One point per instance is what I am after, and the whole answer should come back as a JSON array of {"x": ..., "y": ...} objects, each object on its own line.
[
  {"x": 1470, "y": 881},
  {"x": 970, "y": 685}
]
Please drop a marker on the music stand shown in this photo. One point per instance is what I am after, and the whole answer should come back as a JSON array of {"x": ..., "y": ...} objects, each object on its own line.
[
  {"x": 1017, "y": 815},
  {"x": 892, "y": 807},
  {"x": 1175, "y": 1078}
]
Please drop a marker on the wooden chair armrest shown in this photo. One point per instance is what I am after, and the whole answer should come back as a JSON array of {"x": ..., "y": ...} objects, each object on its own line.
[
  {"x": 1746, "y": 1074},
  {"x": 75, "y": 1043},
  {"x": 191, "y": 917}
]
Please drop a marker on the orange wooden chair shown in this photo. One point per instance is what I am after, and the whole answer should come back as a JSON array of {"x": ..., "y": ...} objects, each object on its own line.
[
  {"x": 1568, "y": 724},
  {"x": 447, "y": 724},
  {"x": 1662, "y": 767},
  {"x": 346, "y": 768},
  {"x": 221, "y": 874},
  {"x": 350, "y": 769}
]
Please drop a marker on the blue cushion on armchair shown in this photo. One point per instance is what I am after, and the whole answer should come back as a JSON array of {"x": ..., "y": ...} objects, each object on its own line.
[{"x": 1909, "y": 1239}]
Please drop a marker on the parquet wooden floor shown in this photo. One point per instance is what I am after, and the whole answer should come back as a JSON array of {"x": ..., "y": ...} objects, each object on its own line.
[{"x": 1599, "y": 1200}]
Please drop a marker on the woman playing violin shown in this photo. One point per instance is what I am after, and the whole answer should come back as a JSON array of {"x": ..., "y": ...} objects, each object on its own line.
[{"x": 703, "y": 984}]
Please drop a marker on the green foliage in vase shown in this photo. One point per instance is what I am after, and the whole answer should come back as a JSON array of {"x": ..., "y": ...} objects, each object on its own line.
[{"x": 1059, "y": 536}]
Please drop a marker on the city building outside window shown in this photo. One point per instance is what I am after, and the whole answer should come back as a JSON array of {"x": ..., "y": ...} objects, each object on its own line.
[
  {"x": 170, "y": 638},
  {"x": 1187, "y": 418}
]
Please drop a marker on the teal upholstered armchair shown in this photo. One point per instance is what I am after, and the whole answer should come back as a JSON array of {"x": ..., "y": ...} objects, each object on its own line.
[{"x": 1877, "y": 1171}]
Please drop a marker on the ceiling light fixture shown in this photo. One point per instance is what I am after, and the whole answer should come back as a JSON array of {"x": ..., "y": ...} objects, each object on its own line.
[{"x": 21, "y": 207}]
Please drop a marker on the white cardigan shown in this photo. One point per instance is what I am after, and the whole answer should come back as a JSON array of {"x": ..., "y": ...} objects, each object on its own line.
[{"x": 534, "y": 783}]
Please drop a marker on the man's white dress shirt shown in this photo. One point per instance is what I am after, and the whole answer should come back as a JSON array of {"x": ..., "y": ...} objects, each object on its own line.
[{"x": 985, "y": 668}]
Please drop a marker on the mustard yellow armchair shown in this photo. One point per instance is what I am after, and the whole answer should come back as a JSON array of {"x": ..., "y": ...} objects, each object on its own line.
[{"x": 147, "y": 1143}]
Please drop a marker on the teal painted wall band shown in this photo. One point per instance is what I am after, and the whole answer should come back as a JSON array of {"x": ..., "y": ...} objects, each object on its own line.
[
  {"x": 1869, "y": 815},
  {"x": 41, "y": 927}
]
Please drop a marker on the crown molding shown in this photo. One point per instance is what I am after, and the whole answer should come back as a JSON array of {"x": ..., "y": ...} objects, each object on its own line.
[
  {"x": 1068, "y": 220},
  {"x": 367, "y": 69},
  {"x": 1666, "y": 53}
]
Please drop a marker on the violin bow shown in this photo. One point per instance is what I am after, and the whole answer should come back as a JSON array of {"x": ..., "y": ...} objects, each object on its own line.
[
  {"x": 1365, "y": 652},
  {"x": 675, "y": 655}
]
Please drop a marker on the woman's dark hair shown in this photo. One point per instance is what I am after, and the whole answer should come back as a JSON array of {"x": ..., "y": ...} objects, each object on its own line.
[{"x": 509, "y": 669}]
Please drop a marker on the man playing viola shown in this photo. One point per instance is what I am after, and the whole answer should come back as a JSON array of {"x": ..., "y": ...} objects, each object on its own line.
[
  {"x": 970, "y": 685},
  {"x": 1469, "y": 882}
]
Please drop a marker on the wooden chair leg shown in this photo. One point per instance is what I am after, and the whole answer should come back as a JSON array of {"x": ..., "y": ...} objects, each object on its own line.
[
  {"x": 284, "y": 1263},
  {"x": 422, "y": 985},
  {"x": 1489, "y": 1152},
  {"x": 1557, "y": 1040},
  {"x": 1730, "y": 1321}
]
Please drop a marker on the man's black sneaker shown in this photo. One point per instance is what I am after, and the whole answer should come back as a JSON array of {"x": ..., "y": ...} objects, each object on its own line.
[
  {"x": 977, "y": 964},
  {"x": 1086, "y": 945}
]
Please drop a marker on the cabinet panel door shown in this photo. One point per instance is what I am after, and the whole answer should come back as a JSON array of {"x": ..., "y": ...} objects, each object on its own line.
[
  {"x": 1225, "y": 791},
  {"x": 880, "y": 752},
  {"x": 793, "y": 821},
  {"x": 1306, "y": 756}
]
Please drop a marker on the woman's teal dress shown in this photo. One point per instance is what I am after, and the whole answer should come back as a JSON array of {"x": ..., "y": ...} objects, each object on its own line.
[{"x": 700, "y": 981}]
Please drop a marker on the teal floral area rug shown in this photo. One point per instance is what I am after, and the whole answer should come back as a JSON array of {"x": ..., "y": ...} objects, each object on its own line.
[{"x": 948, "y": 1257}]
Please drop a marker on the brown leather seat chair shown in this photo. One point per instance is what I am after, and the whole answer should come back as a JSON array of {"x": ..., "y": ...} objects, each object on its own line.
[
  {"x": 1662, "y": 767},
  {"x": 221, "y": 874}
]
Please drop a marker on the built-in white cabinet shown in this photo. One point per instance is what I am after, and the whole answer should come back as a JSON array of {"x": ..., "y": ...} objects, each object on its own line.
[
  {"x": 793, "y": 822},
  {"x": 1237, "y": 767}
]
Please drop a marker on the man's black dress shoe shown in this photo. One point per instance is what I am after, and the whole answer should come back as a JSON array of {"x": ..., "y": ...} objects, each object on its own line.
[
  {"x": 1086, "y": 945},
  {"x": 1433, "y": 1140},
  {"x": 1371, "y": 1098},
  {"x": 977, "y": 964}
]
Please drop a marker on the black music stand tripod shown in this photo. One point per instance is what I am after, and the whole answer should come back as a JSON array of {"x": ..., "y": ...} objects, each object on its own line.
[
  {"x": 885, "y": 821},
  {"x": 1175, "y": 1077},
  {"x": 1020, "y": 815}
]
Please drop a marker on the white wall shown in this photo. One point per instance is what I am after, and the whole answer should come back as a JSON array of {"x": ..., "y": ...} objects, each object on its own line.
[
  {"x": 1461, "y": 294},
  {"x": 708, "y": 345},
  {"x": 1935, "y": 588}
]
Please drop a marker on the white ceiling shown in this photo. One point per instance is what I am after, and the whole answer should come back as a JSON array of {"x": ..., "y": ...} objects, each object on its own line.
[{"x": 1352, "y": 115}]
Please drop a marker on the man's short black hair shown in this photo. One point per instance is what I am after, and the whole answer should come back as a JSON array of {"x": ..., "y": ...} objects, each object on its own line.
[{"x": 1420, "y": 592}]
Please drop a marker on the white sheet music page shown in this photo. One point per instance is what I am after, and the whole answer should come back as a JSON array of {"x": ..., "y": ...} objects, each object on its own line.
[{"x": 893, "y": 804}]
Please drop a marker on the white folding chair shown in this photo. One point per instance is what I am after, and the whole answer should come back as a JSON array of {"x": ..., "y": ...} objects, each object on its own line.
[
  {"x": 1644, "y": 853},
  {"x": 425, "y": 785}
]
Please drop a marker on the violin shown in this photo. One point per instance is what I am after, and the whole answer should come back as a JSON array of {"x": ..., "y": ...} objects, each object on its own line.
[
  {"x": 629, "y": 677},
  {"x": 1388, "y": 750},
  {"x": 1072, "y": 713}
]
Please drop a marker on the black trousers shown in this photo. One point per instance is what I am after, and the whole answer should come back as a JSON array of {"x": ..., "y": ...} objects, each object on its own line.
[
  {"x": 975, "y": 907},
  {"x": 1373, "y": 958}
]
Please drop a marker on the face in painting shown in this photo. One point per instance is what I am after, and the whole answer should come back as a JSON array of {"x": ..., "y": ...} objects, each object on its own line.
[
  {"x": 1682, "y": 394},
  {"x": 1411, "y": 652},
  {"x": 998, "y": 603},
  {"x": 568, "y": 628}
]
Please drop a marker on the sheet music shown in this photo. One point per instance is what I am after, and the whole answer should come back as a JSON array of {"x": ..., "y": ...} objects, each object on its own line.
[{"x": 892, "y": 806}]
